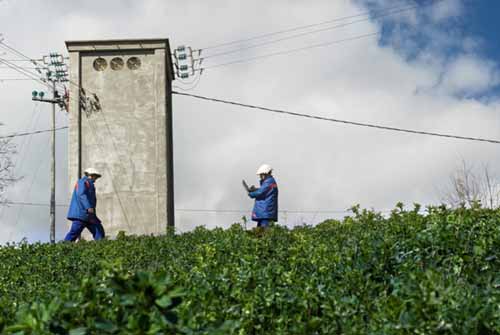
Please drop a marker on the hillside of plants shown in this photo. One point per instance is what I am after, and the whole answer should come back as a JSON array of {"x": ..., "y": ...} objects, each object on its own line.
[{"x": 403, "y": 273}]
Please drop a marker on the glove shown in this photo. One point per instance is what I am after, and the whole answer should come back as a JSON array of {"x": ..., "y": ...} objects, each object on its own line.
[{"x": 252, "y": 188}]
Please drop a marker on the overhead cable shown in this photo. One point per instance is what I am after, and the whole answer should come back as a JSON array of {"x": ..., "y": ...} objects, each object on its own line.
[
  {"x": 198, "y": 210},
  {"x": 20, "y": 210},
  {"x": 193, "y": 84},
  {"x": 284, "y": 31},
  {"x": 286, "y": 52},
  {"x": 236, "y": 211},
  {"x": 19, "y": 53},
  {"x": 24, "y": 60},
  {"x": 33, "y": 132},
  {"x": 15, "y": 79},
  {"x": 34, "y": 204},
  {"x": 309, "y": 32},
  {"x": 24, "y": 72},
  {"x": 321, "y": 118}
]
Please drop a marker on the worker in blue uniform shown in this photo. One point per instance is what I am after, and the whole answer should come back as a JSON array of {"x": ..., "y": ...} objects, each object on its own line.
[
  {"x": 266, "y": 198},
  {"x": 82, "y": 209}
]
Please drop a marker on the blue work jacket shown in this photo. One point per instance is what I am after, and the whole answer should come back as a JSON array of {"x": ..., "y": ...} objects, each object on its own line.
[
  {"x": 266, "y": 200},
  {"x": 83, "y": 198}
]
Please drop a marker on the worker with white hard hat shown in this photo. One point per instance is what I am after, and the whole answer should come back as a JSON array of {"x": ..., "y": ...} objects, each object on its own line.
[
  {"x": 82, "y": 208},
  {"x": 266, "y": 197}
]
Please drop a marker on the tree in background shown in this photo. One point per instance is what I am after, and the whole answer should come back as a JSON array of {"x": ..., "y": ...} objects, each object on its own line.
[
  {"x": 469, "y": 185},
  {"x": 7, "y": 150}
]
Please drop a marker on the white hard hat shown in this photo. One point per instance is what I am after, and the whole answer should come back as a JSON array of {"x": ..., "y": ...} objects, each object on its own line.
[
  {"x": 265, "y": 169},
  {"x": 92, "y": 171}
]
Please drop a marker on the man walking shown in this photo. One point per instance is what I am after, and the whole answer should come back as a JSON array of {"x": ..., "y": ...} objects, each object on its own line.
[
  {"x": 82, "y": 208},
  {"x": 266, "y": 198}
]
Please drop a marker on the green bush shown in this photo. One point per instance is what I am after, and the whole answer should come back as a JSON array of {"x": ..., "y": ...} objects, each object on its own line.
[
  {"x": 115, "y": 302},
  {"x": 407, "y": 273}
]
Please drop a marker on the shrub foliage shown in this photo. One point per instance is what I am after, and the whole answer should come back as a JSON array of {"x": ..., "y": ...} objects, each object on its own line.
[{"x": 407, "y": 273}]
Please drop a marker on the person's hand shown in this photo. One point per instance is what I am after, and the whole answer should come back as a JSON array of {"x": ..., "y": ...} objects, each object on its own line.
[
  {"x": 91, "y": 210},
  {"x": 252, "y": 188}
]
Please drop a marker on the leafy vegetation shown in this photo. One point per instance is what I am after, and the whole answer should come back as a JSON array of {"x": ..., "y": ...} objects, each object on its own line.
[{"x": 437, "y": 273}]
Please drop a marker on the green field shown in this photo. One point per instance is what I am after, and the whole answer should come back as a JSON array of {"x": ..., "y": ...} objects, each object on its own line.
[{"x": 409, "y": 273}]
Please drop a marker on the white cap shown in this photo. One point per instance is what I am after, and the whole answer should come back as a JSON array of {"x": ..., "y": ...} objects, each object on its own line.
[
  {"x": 92, "y": 171},
  {"x": 265, "y": 169}
]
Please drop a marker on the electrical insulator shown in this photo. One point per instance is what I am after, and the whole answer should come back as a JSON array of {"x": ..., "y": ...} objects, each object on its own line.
[
  {"x": 182, "y": 56},
  {"x": 41, "y": 94},
  {"x": 184, "y": 75},
  {"x": 182, "y": 48},
  {"x": 183, "y": 67},
  {"x": 34, "y": 94}
]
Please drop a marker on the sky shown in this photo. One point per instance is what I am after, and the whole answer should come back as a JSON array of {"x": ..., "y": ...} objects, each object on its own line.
[{"x": 434, "y": 67}]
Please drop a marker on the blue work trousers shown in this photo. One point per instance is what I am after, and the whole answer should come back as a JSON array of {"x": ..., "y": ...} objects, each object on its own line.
[
  {"x": 95, "y": 228},
  {"x": 263, "y": 223}
]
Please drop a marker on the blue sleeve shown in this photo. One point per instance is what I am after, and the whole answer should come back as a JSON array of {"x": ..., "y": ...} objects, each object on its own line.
[
  {"x": 83, "y": 195},
  {"x": 260, "y": 192}
]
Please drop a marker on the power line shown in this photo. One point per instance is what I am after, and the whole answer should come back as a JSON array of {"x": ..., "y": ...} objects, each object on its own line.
[
  {"x": 22, "y": 67},
  {"x": 33, "y": 132},
  {"x": 359, "y": 124},
  {"x": 318, "y": 24},
  {"x": 237, "y": 211},
  {"x": 199, "y": 210},
  {"x": 5, "y": 46},
  {"x": 55, "y": 73},
  {"x": 25, "y": 145},
  {"x": 286, "y": 52},
  {"x": 193, "y": 84},
  {"x": 22, "y": 71},
  {"x": 25, "y": 60},
  {"x": 21, "y": 203},
  {"x": 18, "y": 163},
  {"x": 16, "y": 79},
  {"x": 18, "y": 215},
  {"x": 19, "y": 53},
  {"x": 307, "y": 33},
  {"x": 25, "y": 203}
]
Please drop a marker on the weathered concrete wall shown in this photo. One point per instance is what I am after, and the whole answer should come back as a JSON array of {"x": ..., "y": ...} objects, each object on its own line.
[{"x": 127, "y": 137}]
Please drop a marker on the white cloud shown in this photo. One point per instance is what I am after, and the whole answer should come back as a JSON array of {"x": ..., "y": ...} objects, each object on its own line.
[{"x": 469, "y": 75}]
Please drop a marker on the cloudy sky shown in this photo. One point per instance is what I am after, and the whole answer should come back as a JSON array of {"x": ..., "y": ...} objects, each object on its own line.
[{"x": 434, "y": 68}]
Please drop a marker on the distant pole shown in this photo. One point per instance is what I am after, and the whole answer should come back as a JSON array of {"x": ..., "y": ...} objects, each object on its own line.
[
  {"x": 55, "y": 72},
  {"x": 53, "y": 169}
]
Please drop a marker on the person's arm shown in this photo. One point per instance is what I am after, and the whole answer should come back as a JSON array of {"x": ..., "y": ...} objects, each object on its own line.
[
  {"x": 261, "y": 191},
  {"x": 83, "y": 195}
]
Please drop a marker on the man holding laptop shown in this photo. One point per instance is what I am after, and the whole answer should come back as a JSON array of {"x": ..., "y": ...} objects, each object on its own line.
[{"x": 266, "y": 197}]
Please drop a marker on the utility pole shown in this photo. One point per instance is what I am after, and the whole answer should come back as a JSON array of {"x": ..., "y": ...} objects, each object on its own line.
[
  {"x": 56, "y": 72},
  {"x": 53, "y": 169}
]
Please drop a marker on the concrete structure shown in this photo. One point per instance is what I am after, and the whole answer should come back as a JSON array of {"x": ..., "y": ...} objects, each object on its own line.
[{"x": 120, "y": 122}]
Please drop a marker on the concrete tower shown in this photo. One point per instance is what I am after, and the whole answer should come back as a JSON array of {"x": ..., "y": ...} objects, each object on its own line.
[{"x": 120, "y": 122}]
